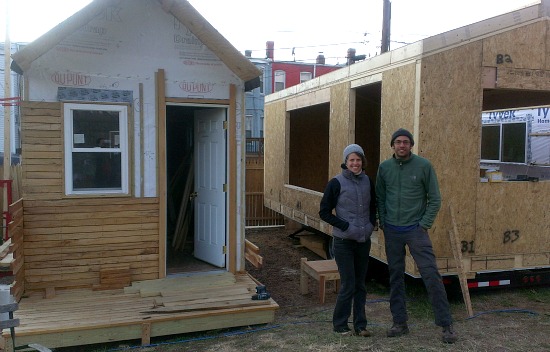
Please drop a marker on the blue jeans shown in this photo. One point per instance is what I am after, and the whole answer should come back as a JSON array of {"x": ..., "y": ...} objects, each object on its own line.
[
  {"x": 352, "y": 258},
  {"x": 421, "y": 250}
]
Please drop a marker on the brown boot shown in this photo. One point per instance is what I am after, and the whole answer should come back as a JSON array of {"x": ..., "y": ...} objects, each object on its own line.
[
  {"x": 398, "y": 329},
  {"x": 449, "y": 335},
  {"x": 363, "y": 333}
]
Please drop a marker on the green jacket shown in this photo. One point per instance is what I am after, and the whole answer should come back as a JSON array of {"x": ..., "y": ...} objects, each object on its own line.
[{"x": 407, "y": 192}]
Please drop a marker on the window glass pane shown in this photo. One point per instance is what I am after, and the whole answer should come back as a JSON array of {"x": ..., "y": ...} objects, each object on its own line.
[
  {"x": 93, "y": 170},
  {"x": 490, "y": 142},
  {"x": 513, "y": 142},
  {"x": 305, "y": 76},
  {"x": 280, "y": 78},
  {"x": 95, "y": 129}
]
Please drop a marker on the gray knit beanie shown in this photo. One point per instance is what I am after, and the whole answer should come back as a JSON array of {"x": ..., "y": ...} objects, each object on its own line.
[
  {"x": 401, "y": 132},
  {"x": 353, "y": 148}
]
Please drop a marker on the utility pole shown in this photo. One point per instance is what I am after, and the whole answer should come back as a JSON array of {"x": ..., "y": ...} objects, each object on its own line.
[
  {"x": 7, "y": 94},
  {"x": 386, "y": 25},
  {"x": 7, "y": 118}
]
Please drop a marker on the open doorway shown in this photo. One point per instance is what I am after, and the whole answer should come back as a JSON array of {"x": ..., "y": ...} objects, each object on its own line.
[{"x": 195, "y": 178}]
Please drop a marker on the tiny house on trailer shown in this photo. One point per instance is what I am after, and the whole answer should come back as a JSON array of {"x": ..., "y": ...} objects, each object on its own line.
[
  {"x": 438, "y": 88},
  {"x": 133, "y": 145}
]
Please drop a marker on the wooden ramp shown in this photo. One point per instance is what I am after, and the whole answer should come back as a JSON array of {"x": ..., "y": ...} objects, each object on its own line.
[{"x": 143, "y": 310}]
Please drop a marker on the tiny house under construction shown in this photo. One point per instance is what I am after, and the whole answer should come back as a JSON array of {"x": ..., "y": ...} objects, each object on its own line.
[
  {"x": 438, "y": 89},
  {"x": 133, "y": 147}
]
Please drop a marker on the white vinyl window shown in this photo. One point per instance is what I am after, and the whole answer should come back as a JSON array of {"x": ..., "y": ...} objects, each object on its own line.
[
  {"x": 96, "y": 149},
  {"x": 505, "y": 142},
  {"x": 280, "y": 80},
  {"x": 305, "y": 76}
]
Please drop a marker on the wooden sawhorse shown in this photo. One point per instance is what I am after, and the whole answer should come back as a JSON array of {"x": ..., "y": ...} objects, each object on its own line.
[{"x": 320, "y": 270}]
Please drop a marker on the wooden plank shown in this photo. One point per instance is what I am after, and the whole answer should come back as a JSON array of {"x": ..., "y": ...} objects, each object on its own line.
[
  {"x": 236, "y": 186},
  {"x": 11, "y": 323},
  {"x": 84, "y": 230},
  {"x": 224, "y": 304},
  {"x": 108, "y": 257},
  {"x": 10, "y": 307},
  {"x": 7, "y": 261},
  {"x": 252, "y": 254},
  {"x": 228, "y": 291},
  {"x": 5, "y": 247},
  {"x": 96, "y": 250},
  {"x": 455, "y": 246},
  {"x": 76, "y": 202},
  {"x": 134, "y": 219},
  {"x": 160, "y": 119},
  {"x": 99, "y": 236},
  {"x": 146, "y": 334}
]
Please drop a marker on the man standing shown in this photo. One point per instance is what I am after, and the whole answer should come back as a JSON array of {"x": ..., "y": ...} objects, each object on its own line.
[{"x": 408, "y": 200}]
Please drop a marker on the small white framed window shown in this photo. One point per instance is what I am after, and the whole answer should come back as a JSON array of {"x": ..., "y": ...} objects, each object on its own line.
[
  {"x": 305, "y": 76},
  {"x": 280, "y": 80},
  {"x": 96, "y": 149},
  {"x": 504, "y": 142}
]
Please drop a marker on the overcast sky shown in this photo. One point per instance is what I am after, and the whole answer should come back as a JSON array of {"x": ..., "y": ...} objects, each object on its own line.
[{"x": 310, "y": 27}]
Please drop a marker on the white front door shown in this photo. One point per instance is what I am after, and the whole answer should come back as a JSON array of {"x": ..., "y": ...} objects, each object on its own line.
[{"x": 210, "y": 177}]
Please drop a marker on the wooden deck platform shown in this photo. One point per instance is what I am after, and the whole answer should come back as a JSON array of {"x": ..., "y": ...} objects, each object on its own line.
[{"x": 143, "y": 310}]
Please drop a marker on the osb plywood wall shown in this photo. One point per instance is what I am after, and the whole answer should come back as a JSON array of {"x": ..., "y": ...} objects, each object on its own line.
[
  {"x": 342, "y": 126},
  {"x": 450, "y": 130},
  {"x": 276, "y": 141},
  {"x": 524, "y": 47},
  {"x": 398, "y": 103},
  {"x": 520, "y": 56},
  {"x": 503, "y": 211},
  {"x": 398, "y": 106},
  {"x": 70, "y": 241}
]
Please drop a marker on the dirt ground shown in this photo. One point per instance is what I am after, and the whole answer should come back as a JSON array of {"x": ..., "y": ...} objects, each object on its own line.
[
  {"x": 504, "y": 320},
  {"x": 281, "y": 268}
]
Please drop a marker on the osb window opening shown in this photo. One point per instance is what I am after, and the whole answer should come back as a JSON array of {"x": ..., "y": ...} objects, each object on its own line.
[
  {"x": 308, "y": 159},
  {"x": 96, "y": 149}
]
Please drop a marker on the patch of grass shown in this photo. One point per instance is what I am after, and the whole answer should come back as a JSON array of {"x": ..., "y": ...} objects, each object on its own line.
[{"x": 538, "y": 294}]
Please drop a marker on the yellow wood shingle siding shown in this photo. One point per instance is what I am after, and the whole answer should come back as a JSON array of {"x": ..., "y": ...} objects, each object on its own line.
[
  {"x": 42, "y": 150},
  {"x": 69, "y": 241}
]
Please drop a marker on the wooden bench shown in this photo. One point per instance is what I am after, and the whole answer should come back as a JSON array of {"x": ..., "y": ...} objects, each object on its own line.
[{"x": 320, "y": 270}]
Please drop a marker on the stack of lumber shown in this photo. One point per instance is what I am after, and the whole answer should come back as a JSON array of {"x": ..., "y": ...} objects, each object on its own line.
[{"x": 195, "y": 293}]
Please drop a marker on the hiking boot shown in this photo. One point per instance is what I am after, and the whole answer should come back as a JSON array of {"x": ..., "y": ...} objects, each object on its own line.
[
  {"x": 449, "y": 335},
  {"x": 362, "y": 333},
  {"x": 345, "y": 331},
  {"x": 398, "y": 329}
]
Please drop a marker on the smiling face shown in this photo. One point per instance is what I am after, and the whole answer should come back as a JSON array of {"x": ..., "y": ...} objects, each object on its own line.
[
  {"x": 354, "y": 163},
  {"x": 402, "y": 147}
]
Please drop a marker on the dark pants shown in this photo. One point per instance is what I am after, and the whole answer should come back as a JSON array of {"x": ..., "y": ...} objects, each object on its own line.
[
  {"x": 420, "y": 247},
  {"x": 352, "y": 259}
]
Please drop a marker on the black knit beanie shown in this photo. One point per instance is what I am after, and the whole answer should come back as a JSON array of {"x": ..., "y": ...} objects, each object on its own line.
[{"x": 401, "y": 132}]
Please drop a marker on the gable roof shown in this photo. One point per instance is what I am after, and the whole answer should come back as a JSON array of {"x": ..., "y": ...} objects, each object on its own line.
[{"x": 180, "y": 9}]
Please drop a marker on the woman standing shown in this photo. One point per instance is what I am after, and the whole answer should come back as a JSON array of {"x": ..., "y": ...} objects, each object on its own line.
[{"x": 351, "y": 195}]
